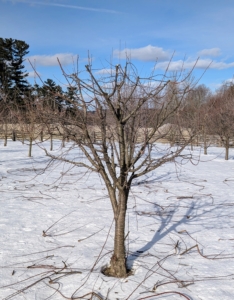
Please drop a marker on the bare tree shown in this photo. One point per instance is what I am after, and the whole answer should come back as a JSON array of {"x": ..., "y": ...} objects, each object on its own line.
[
  {"x": 7, "y": 114},
  {"x": 196, "y": 108},
  {"x": 222, "y": 116},
  {"x": 117, "y": 120}
]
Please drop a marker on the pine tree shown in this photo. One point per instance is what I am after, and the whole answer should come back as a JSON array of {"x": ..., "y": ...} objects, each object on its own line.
[
  {"x": 71, "y": 93},
  {"x": 18, "y": 76},
  {"x": 12, "y": 74},
  {"x": 5, "y": 69},
  {"x": 70, "y": 99},
  {"x": 53, "y": 94}
]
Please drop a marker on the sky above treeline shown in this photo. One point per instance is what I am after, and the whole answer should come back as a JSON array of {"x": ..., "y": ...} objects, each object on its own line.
[{"x": 150, "y": 32}]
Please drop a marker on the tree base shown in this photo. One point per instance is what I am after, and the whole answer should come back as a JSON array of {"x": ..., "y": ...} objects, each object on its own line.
[{"x": 117, "y": 268}]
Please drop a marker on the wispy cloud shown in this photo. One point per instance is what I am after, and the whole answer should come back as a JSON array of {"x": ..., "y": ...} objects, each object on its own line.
[
  {"x": 200, "y": 64},
  {"x": 210, "y": 52},
  {"x": 52, "y": 60},
  {"x": 106, "y": 71},
  {"x": 101, "y": 10},
  {"x": 32, "y": 74},
  {"x": 230, "y": 80},
  {"x": 148, "y": 53}
]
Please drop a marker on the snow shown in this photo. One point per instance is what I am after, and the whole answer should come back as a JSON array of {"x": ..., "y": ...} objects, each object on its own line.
[{"x": 57, "y": 218}]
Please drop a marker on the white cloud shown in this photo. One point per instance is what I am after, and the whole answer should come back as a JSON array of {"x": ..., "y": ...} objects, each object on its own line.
[
  {"x": 52, "y": 60},
  {"x": 230, "y": 80},
  {"x": 106, "y": 71},
  {"x": 189, "y": 64},
  {"x": 32, "y": 74},
  {"x": 31, "y": 2},
  {"x": 148, "y": 53},
  {"x": 210, "y": 52}
]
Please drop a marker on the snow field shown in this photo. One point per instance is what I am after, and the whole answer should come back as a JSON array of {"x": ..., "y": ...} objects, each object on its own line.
[{"x": 59, "y": 218}]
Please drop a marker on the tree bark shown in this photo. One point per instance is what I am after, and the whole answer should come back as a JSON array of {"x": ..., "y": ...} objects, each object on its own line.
[
  {"x": 205, "y": 149},
  {"x": 191, "y": 145},
  {"x": 205, "y": 141},
  {"x": 63, "y": 141},
  {"x": 23, "y": 137},
  {"x": 118, "y": 266},
  {"x": 13, "y": 135},
  {"x": 5, "y": 135},
  {"x": 41, "y": 136},
  {"x": 227, "y": 149},
  {"x": 51, "y": 142},
  {"x": 30, "y": 146}
]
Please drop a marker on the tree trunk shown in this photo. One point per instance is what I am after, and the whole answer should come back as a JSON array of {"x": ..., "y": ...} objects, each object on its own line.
[
  {"x": 5, "y": 135},
  {"x": 41, "y": 136},
  {"x": 227, "y": 149},
  {"x": 63, "y": 141},
  {"x": 51, "y": 142},
  {"x": 23, "y": 137},
  {"x": 205, "y": 142},
  {"x": 191, "y": 145},
  {"x": 205, "y": 149},
  {"x": 30, "y": 147},
  {"x": 13, "y": 135},
  {"x": 118, "y": 266}
]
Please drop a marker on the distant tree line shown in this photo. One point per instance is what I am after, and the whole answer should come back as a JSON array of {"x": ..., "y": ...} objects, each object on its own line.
[
  {"x": 14, "y": 86},
  {"x": 213, "y": 111}
]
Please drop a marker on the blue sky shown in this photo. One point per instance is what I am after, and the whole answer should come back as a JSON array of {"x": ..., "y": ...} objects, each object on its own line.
[{"x": 147, "y": 30}]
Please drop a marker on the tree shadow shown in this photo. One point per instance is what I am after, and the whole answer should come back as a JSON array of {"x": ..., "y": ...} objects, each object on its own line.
[
  {"x": 163, "y": 230},
  {"x": 148, "y": 180}
]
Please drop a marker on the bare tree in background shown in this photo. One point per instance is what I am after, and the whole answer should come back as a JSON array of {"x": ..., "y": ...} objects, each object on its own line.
[
  {"x": 116, "y": 120},
  {"x": 222, "y": 116},
  {"x": 196, "y": 108},
  {"x": 5, "y": 115}
]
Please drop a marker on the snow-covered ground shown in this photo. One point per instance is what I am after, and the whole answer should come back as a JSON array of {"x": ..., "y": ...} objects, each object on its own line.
[{"x": 56, "y": 224}]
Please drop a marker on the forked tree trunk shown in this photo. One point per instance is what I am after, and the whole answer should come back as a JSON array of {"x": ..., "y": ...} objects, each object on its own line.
[{"x": 118, "y": 266}]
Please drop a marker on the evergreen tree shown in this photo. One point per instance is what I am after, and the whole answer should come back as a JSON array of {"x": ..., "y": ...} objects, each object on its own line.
[
  {"x": 53, "y": 94},
  {"x": 5, "y": 69},
  {"x": 71, "y": 93},
  {"x": 19, "y": 50},
  {"x": 12, "y": 74},
  {"x": 71, "y": 99}
]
